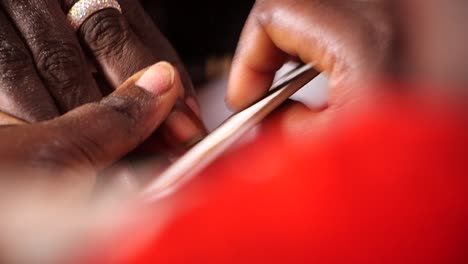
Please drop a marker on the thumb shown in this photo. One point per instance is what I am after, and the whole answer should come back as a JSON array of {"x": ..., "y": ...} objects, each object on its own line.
[
  {"x": 99, "y": 134},
  {"x": 346, "y": 39}
]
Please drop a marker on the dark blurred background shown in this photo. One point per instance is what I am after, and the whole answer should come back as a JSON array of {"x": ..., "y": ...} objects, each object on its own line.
[{"x": 204, "y": 32}]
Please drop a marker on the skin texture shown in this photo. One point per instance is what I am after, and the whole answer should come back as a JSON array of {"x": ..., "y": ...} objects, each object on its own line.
[
  {"x": 72, "y": 150},
  {"x": 356, "y": 43},
  {"x": 48, "y": 69},
  {"x": 352, "y": 41},
  {"x": 349, "y": 40}
]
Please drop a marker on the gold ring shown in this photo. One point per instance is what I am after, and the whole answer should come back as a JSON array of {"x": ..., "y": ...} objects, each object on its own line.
[{"x": 83, "y": 9}]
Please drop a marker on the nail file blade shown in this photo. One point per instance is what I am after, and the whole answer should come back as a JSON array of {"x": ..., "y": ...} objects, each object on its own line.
[{"x": 207, "y": 150}]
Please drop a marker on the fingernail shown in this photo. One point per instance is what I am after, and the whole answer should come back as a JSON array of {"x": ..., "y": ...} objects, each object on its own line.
[
  {"x": 192, "y": 103},
  {"x": 183, "y": 126},
  {"x": 158, "y": 79}
]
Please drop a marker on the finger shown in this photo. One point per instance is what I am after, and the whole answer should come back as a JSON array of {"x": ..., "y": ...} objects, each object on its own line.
[
  {"x": 256, "y": 60},
  {"x": 121, "y": 121},
  {"x": 56, "y": 51},
  {"x": 20, "y": 86},
  {"x": 333, "y": 35},
  {"x": 151, "y": 36},
  {"x": 126, "y": 43},
  {"x": 111, "y": 39},
  {"x": 119, "y": 52},
  {"x": 67, "y": 153}
]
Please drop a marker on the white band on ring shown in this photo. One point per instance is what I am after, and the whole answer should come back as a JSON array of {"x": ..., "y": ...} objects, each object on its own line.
[{"x": 83, "y": 9}]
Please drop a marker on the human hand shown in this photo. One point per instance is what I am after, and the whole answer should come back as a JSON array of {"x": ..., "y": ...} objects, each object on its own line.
[
  {"x": 45, "y": 69},
  {"x": 69, "y": 151},
  {"x": 349, "y": 40}
]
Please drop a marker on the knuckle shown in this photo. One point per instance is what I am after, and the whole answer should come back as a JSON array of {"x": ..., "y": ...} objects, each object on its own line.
[
  {"x": 106, "y": 33},
  {"x": 60, "y": 64},
  {"x": 14, "y": 60},
  {"x": 262, "y": 3},
  {"x": 262, "y": 14},
  {"x": 265, "y": 11}
]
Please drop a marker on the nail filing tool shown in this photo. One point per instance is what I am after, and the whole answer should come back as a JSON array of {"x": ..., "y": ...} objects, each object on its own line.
[{"x": 207, "y": 150}]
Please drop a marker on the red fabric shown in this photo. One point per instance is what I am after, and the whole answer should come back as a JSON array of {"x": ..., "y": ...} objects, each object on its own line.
[{"x": 390, "y": 187}]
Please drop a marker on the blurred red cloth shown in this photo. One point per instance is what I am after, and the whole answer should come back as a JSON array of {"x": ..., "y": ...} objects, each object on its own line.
[{"x": 387, "y": 187}]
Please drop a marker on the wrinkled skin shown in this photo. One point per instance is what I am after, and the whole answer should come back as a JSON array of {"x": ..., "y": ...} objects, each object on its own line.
[
  {"x": 355, "y": 43},
  {"x": 350, "y": 40},
  {"x": 47, "y": 69},
  {"x": 69, "y": 151},
  {"x": 347, "y": 39}
]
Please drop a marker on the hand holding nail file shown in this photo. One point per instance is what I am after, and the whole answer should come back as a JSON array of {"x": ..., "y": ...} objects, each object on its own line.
[{"x": 224, "y": 136}]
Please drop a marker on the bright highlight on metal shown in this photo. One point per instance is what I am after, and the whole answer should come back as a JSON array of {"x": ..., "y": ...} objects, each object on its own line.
[
  {"x": 83, "y": 9},
  {"x": 202, "y": 154}
]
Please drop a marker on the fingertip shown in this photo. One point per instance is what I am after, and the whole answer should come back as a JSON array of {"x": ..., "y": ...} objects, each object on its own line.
[
  {"x": 184, "y": 128},
  {"x": 234, "y": 104},
  {"x": 245, "y": 87},
  {"x": 158, "y": 78}
]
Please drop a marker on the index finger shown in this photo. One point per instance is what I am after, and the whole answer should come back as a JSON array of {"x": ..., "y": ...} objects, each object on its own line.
[
  {"x": 276, "y": 30},
  {"x": 255, "y": 63},
  {"x": 120, "y": 52},
  {"x": 57, "y": 54}
]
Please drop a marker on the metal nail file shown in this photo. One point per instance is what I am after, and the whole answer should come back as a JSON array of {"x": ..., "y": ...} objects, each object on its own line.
[{"x": 207, "y": 150}]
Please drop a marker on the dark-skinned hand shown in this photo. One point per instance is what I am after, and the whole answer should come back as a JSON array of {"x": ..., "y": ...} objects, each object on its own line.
[
  {"x": 47, "y": 69},
  {"x": 66, "y": 154},
  {"x": 346, "y": 39},
  {"x": 356, "y": 43}
]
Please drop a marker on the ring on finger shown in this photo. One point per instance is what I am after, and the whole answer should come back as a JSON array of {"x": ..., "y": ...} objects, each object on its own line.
[{"x": 83, "y": 9}]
